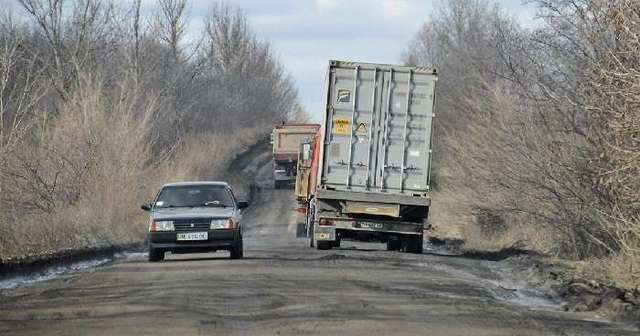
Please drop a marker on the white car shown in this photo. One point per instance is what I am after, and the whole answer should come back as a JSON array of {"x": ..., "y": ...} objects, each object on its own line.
[{"x": 190, "y": 217}]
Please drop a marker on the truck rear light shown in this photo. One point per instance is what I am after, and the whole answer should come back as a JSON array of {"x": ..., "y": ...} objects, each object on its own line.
[
  {"x": 326, "y": 222},
  {"x": 302, "y": 210}
]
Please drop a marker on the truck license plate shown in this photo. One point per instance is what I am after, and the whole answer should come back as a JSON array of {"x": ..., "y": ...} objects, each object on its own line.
[
  {"x": 323, "y": 236},
  {"x": 376, "y": 226},
  {"x": 193, "y": 236}
]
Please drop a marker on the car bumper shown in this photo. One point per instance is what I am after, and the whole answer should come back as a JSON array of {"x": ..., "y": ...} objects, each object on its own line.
[{"x": 217, "y": 240}]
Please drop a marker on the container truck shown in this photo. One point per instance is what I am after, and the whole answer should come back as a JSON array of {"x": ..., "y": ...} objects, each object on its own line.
[
  {"x": 366, "y": 173},
  {"x": 286, "y": 139}
]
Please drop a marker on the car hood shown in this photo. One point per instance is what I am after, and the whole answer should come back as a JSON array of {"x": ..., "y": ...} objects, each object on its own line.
[{"x": 175, "y": 213}]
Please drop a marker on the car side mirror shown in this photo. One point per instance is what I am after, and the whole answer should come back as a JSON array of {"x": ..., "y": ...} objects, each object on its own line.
[
  {"x": 243, "y": 204},
  {"x": 146, "y": 207}
]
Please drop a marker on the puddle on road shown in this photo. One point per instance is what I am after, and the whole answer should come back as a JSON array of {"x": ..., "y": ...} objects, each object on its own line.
[
  {"x": 506, "y": 289},
  {"x": 523, "y": 294},
  {"x": 57, "y": 271}
]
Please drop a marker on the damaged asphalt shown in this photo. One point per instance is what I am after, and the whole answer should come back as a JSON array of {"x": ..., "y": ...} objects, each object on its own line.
[{"x": 284, "y": 287}]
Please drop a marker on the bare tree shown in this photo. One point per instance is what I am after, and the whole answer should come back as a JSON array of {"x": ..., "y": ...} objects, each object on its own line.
[
  {"x": 72, "y": 41},
  {"x": 99, "y": 105},
  {"x": 172, "y": 24},
  {"x": 542, "y": 125}
]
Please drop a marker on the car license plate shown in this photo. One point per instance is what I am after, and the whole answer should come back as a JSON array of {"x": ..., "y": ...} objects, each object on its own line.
[
  {"x": 193, "y": 236},
  {"x": 376, "y": 226}
]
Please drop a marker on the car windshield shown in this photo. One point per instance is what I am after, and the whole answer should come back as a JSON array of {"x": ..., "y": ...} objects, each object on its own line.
[{"x": 194, "y": 196}]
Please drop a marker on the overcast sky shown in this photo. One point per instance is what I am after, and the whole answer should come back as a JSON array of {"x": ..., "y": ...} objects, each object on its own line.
[{"x": 306, "y": 34}]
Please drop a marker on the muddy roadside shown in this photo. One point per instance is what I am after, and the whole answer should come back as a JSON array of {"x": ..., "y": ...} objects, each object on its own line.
[
  {"x": 556, "y": 277},
  {"x": 579, "y": 294}
]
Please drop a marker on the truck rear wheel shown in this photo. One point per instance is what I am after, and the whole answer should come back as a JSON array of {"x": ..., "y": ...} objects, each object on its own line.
[
  {"x": 310, "y": 222},
  {"x": 394, "y": 245},
  {"x": 414, "y": 245},
  {"x": 324, "y": 245}
]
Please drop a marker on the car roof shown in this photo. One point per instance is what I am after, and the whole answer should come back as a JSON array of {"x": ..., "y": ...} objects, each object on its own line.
[{"x": 196, "y": 183}]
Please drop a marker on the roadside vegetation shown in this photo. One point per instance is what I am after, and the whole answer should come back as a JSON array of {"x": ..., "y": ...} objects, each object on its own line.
[
  {"x": 103, "y": 101},
  {"x": 539, "y": 129}
]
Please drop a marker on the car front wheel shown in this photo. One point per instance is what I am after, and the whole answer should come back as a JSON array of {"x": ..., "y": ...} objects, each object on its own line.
[
  {"x": 237, "y": 250},
  {"x": 155, "y": 254}
]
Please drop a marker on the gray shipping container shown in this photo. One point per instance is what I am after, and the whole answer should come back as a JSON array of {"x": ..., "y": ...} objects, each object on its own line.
[{"x": 378, "y": 125}]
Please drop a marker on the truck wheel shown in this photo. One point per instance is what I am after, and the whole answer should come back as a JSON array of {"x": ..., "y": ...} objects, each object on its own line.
[
  {"x": 237, "y": 250},
  {"x": 324, "y": 245},
  {"x": 311, "y": 237},
  {"x": 336, "y": 243},
  {"x": 414, "y": 245},
  {"x": 310, "y": 222},
  {"x": 155, "y": 254},
  {"x": 394, "y": 245}
]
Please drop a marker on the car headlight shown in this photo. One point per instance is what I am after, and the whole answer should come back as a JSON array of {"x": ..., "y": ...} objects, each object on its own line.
[
  {"x": 222, "y": 223},
  {"x": 161, "y": 226}
]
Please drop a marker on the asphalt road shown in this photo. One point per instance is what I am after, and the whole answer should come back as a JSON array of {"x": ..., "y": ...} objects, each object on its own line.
[{"x": 283, "y": 287}]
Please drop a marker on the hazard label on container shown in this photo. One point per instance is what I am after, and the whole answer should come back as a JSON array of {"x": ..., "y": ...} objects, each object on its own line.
[
  {"x": 361, "y": 129},
  {"x": 341, "y": 126}
]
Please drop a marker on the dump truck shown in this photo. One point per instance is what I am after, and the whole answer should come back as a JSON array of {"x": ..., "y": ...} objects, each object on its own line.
[
  {"x": 286, "y": 139},
  {"x": 365, "y": 175}
]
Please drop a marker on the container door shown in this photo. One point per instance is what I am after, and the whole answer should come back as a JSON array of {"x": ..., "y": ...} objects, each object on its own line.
[
  {"x": 404, "y": 144},
  {"x": 353, "y": 110}
]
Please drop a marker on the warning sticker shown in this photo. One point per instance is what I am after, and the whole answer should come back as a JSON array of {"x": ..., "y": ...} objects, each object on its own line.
[
  {"x": 361, "y": 129},
  {"x": 341, "y": 126}
]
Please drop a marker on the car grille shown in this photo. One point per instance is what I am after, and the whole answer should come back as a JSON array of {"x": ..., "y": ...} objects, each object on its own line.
[{"x": 194, "y": 224}]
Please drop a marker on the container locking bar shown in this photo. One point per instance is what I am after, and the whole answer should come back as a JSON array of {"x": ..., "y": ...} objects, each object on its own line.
[
  {"x": 385, "y": 139},
  {"x": 404, "y": 137},
  {"x": 353, "y": 113},
  {"x": 373, "y": 111}
]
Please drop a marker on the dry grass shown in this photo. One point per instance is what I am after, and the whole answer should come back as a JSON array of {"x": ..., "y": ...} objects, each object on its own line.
[
  {"x": 618, "y": 270},
  {"x": 89, "y": 193},
  {"x": 448, "y": 216},
  {"x": 452, "y": 216}
]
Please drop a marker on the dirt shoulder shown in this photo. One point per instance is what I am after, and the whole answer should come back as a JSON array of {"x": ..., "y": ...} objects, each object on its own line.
[{"x": 558, "y": 278}]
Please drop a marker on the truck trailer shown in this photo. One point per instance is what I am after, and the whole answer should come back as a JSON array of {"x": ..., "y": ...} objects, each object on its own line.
[
  {"x": 365, "y": 175},
  {"x": 285, "y": 139}
]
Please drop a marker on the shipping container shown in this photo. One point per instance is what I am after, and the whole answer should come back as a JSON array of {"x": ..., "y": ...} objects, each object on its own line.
[
  {"x": 378, "y": 122},
  {"x": 369, "y": 172}
]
